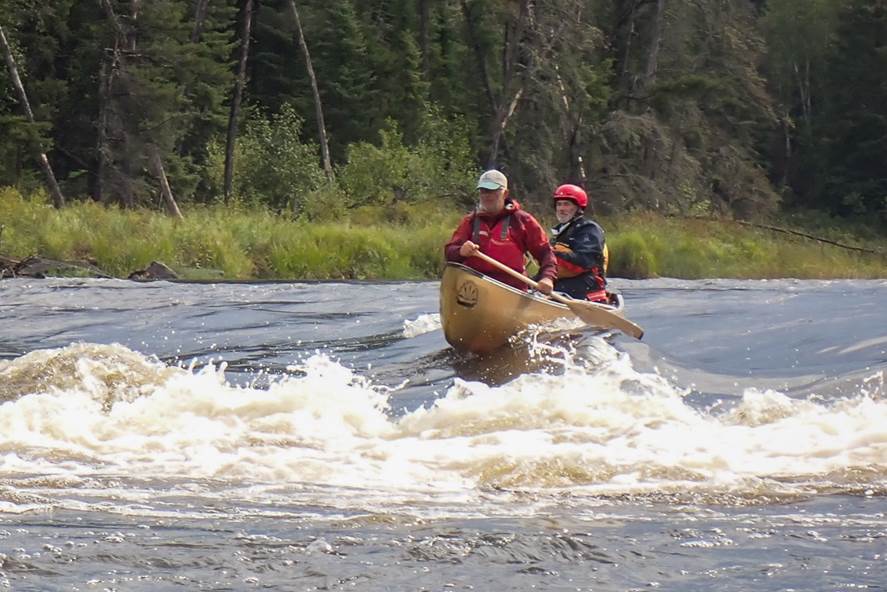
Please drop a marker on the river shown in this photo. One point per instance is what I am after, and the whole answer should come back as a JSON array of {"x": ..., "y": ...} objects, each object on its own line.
[{"x": 323, "y": 436}]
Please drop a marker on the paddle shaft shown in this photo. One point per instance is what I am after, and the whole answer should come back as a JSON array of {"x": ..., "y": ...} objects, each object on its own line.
[
  {"x": 532, "y": 283},
  {"x": 588, "y": 311}
]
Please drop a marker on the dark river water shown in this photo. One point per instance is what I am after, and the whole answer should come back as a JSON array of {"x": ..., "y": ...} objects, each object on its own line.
[{"x": 323, "y": 436}]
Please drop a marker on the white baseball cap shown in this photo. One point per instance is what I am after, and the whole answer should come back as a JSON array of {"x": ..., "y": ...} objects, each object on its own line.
[{"x": 492, "y": 180}]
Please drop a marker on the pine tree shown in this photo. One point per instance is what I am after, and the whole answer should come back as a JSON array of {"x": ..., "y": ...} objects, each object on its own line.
[
  {"x": 162, "y": 93},
  {"x": 853, "y": 123},
  {"x": 208, "y": 75},
  {"x": 6, "y": 49},
  {"x": 41, "y": 51},
  {"x": 798, "y": 35},
  {"x": 277, "y": 75},
  {"x": 348, "y": 81}
]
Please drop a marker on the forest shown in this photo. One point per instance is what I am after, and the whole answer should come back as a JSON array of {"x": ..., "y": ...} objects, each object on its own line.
[{"x": 741, "y": 109}]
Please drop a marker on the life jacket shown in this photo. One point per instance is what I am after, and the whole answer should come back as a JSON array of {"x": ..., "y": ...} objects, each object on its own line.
[
  {"x": 565, "y": 269},
  {"x": 577, "y": 280},
  {"x": 498, "y": 243}
]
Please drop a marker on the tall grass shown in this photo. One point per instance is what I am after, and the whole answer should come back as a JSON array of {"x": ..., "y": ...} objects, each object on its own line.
[
  {"x": 401, "y": 242},
  {"x": 228, "y": 242},
  {"x": 647, "y": 245}
]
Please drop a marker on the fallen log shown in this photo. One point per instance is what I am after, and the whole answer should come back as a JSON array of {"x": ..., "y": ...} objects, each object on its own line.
[{"x": 791, "y": 231}]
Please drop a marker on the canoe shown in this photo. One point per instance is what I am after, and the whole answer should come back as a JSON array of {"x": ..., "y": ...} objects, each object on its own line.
[{"x": 480, "y": 314}]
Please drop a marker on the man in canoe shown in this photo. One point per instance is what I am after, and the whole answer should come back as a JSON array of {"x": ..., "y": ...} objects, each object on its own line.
[
  {"x": 500, "y": 229},
  {"x": 579, "y": 247}
]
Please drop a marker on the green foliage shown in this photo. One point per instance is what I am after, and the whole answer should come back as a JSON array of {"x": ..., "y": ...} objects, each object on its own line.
[
  {"x": 700, "y": 108},
  {"x": 440, "y": 165},
  {"x": 272, "y": 167},
  {"x": 349, "y": 80},
  {"x": 24, "y": 139},
  {"x": 692, "y": 116},
  {"x": 277, "y": 72},
  {"x": 632, "y": 256},
  {"x": 376, "y": 174},
  {"x": 21, "y": 139},
  {"x": 396, "y": 243},
  {"x": 403, "y": 86},
  {"x": 853, "y": 122},
  {"x": 644, "y": 245},
  {"x": 176, "y": 91},
  {"x": 567, "y": 80},
  {"x": 226, "y": 242},
  {"x": 797, "y": 34},
  {"x": 325, "y": 204},
  {"x": 166, "y": 92}
]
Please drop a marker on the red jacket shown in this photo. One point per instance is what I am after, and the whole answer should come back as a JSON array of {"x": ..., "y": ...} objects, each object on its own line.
[{"x": 506, "y": 237}]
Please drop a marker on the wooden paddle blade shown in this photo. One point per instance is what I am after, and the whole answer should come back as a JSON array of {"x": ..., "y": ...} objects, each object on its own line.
[{"x": 598, "y": 316}]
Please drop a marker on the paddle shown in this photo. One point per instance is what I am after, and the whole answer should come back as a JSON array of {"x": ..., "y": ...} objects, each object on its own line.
[{"x": 590, "y": 312}]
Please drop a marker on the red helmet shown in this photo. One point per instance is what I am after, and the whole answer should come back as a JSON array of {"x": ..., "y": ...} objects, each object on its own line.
[{"x": 574, "y": 193}]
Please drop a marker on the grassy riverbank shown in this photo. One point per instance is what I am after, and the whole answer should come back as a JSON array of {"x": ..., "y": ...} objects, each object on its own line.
[{"x": 403, "y": 242}]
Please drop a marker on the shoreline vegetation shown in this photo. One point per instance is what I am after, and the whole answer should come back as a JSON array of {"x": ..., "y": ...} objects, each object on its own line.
[
  {"x": 340, "y": 139},
  {"x": 404, "y": 241}
]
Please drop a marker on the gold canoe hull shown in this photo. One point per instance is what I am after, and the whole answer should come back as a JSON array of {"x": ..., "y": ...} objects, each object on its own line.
[{"x": 480, "y": 314}]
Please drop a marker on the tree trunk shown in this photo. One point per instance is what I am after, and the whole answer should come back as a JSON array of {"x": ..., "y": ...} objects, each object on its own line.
[
  {"x": 501, "y": 124},
  {"x": 655, "y": 43},
  {"x": 624, "y": 75},
  {"x": 473, "y": 39},
  {"x": 112, "y": 16},
  {"x": 134, "y": 7},
  {"x": 58, "y": 200},
  {"x": 514, "y": 43},
  {"x": 787, "y": 130},
  {"x": 318, "y": 106},
  {"x": 511, "y": 57},
  {"x": 803, "y": 82},
  {"x": 237, "y": 97},
  {"x": 102, "y": 137},
  {"x": 575, "y": 125},
  {"x": 199, "y": 20},
  {"x": 127, "y": 38},
  {"x": 425, "y": 36},
  {"x": 172, "y": 208},
  {"x": 105, "y": 154}
]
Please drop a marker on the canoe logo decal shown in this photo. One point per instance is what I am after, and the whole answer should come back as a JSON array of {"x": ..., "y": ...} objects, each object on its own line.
[{"x": 466, "y": 295}]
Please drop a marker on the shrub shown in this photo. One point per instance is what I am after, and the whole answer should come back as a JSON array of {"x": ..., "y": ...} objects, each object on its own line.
[
  {"x": 439, "y": 165},
  {"x": 272, "y": 167}
]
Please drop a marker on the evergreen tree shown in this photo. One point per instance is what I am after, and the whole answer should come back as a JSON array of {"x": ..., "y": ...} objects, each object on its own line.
[
  {"x": 207, "y": 77},
  {"x": 277, "y": 75},
  {"x": 392, "y": 41},
  {"x": 853, "y": 122},
  {"x": 567, "y": 92},
  {"x": 798, "y": 35},
  {"x": 348, "y": 82},
  {"x": 655, "y": 103},
  {"x": 163, "y": 93},
  {"x": 692, "y": 115},
  {"x": 41, "y": 51}
]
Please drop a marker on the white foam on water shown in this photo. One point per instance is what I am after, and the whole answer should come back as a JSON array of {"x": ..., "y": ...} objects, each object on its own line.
[
  {"x": 425, "y": 323},
  {"x": 96, "y": 412}
]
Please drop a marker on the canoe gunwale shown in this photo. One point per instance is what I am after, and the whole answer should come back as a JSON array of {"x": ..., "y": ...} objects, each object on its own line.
[{"x": 534, "y": 296}]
